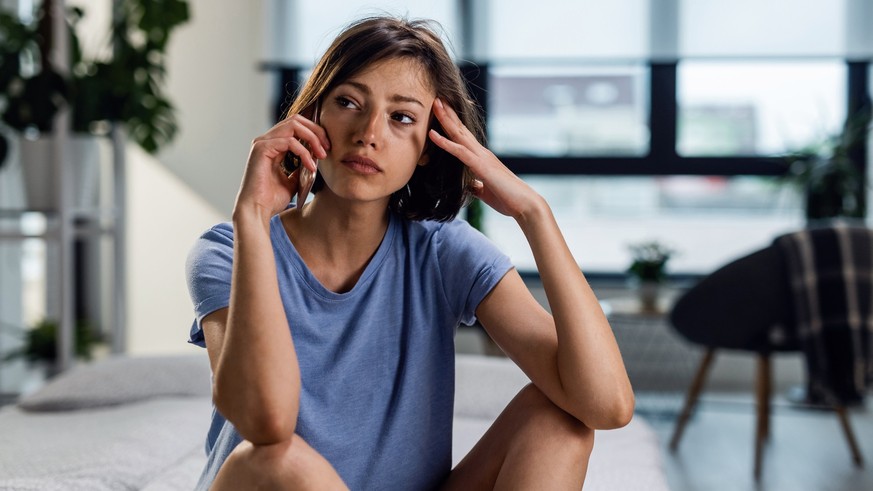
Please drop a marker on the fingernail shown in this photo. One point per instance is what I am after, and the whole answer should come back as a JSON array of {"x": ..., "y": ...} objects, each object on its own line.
[
  {"x": 322, "y": 153},
  {"x": 439, "y": 103}
]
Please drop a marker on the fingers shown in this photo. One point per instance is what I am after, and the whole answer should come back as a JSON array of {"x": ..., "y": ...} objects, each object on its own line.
[
  {"x": 495, "y": 184},
  {"x": 276, "y": 148},
  {"x": 311, "y": 139},
  {"x": 462, "y": 152},
  {"x": 458, "y": 140},
  {"x": 452, "y": 124},
  {"x": 308, "y": 130},
  {"x": 313, "y": 133}
]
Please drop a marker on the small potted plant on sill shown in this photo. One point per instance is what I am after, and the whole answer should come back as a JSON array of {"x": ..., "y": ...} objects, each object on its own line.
[
  {"x": 125, "y": 87},
  {"x": 648, "y": 271},
  {"x": 40, "y": 345}
]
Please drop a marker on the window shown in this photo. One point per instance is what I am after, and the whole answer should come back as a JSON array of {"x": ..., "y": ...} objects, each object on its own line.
[
  {"x": 558, "y": 29},
  {"x": 758, "y": 108},
  {"x": 567, "y": 110},
  {"x": 772, "y": 28},
  {"x": 642, "y": 119},
  {"x": 304, "y": 29},
  {"x": 707, "y": 219}
]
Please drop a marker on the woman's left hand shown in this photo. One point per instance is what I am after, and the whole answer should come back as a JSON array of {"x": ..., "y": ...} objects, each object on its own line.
[{"x": 495, "y": 184}]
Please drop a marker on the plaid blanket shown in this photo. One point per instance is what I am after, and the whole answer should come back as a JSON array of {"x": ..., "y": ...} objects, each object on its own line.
[{"x": 830, "y": 270}]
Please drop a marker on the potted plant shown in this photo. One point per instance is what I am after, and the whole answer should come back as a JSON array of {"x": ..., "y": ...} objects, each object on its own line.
[
  {"x": 125, "y": 88},
  {"x": 40, "y": 344},
  {"x": 32, "y": 88},
  {"x": 829, "y": 175},
  {"x": 34, "y": 92},
  {"x": 128, "y": 87},
  {"x": 648, "y": 271}
]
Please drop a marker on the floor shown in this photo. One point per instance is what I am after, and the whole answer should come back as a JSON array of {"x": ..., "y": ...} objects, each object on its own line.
[{"x": 806, "y": 451}]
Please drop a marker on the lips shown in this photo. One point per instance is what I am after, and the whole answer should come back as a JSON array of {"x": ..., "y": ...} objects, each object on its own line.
[{"x": 361, "y": 164}]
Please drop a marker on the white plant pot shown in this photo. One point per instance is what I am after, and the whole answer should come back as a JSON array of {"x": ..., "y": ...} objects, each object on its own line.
[
  {"x": 649, "y": 293},
  {"x": 82, "y": 155}
]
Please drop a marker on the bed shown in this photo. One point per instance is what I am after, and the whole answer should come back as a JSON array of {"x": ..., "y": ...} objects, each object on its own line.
[{"x": 139, "y": 423}]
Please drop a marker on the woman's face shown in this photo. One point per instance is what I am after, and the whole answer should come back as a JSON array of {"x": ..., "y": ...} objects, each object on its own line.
[{"x": 377, "y": 122}]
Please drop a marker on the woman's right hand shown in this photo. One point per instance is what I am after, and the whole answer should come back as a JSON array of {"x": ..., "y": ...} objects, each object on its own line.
[{"x": 266, "y": 190}]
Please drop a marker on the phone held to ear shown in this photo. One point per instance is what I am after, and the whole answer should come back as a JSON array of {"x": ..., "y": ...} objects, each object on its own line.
[{"x": 307, "y": 177}]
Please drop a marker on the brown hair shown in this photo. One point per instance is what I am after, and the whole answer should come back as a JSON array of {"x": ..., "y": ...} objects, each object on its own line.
[{"x": 438, "y": 190}]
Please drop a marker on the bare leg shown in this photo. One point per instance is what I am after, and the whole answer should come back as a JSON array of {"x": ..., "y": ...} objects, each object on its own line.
[
  {"x": 291, "y": 465},
  {"x": 533, "y": 444}
]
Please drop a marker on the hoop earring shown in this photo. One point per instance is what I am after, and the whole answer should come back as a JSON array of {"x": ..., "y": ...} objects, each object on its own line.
[{"x": 404, "y": 195}]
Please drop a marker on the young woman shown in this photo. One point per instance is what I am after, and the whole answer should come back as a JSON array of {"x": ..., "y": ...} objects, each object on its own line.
[{"x": 330, "y": 326}]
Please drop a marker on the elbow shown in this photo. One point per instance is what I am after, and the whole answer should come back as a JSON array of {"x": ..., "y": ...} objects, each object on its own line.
[
  {"x": 617, "y": 416},
  {"x": 259, "y": 422},
  {"x": 621, "y": 411},
  {"x": 266, "y": 430},
  {"x": 611, "y": 413}
]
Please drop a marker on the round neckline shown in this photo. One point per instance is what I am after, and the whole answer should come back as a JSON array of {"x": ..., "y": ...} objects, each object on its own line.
[{"x": 283, "y": 244}]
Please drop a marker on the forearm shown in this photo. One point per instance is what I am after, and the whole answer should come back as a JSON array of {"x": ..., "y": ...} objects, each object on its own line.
[
  {"x": 257, "y": 382},
  {"x": 588, "y": 379},
  {"x": 588, "y": 361}
]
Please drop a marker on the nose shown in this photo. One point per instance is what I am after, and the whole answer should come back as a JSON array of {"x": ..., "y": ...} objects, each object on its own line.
[{"x": 370, "y": 132}]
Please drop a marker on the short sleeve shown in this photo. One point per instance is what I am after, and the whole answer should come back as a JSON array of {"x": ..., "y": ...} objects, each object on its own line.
[
  {"x": 470, "y": 265},
  {"x": 208, "y": 271}
]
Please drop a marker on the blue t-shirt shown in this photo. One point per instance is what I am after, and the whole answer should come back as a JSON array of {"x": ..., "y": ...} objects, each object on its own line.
[{"x": 377, "y": 362}]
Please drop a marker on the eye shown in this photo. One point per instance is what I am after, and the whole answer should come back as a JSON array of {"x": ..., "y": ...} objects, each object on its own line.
[
  {"x": 403, "y": 118},
  {"x": 343, "y": 101}
]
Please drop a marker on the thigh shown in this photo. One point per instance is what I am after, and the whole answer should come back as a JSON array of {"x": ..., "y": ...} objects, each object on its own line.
[{"x": 531, "y": 437}]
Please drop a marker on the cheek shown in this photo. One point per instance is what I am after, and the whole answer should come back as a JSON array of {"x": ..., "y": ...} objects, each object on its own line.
[{"x": 417, "y": 142}]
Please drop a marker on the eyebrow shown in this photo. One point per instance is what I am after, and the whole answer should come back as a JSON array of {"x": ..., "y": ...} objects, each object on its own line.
[{"x": 394, "y": 98}]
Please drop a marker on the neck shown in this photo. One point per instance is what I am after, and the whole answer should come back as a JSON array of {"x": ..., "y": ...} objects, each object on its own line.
[
  {"x": 342, "y": 225},
  {"x": 337, "y": 238}
]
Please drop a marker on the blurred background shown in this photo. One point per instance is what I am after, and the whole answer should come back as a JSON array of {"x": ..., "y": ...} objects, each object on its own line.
[
  {"x": 669, "y": 137},
  {"x": 638, "y": 120}
]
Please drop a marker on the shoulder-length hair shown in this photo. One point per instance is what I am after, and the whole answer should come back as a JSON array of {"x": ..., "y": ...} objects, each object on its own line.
[{"x": 439, "y": 189}]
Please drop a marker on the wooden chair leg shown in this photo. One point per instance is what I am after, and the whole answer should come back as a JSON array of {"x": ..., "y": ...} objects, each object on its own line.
[
  {"x": 767, "y": 391},
  {"x": 691, "y": 398},
  {"x": 763, "y": 410},
  {"x": 850, "y": 435}
]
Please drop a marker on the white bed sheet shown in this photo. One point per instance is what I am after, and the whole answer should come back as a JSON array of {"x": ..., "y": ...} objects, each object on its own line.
[
  {"x": 157, "y": 444},
  {"x": 114, "y": 448}
]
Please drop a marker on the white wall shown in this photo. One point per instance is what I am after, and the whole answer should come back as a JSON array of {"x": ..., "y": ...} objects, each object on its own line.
[
  {"x": 221, "y": 99},
  {"x": 164, "y": 219}
]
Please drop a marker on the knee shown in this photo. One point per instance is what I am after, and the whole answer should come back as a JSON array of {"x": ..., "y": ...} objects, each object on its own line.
[
  {"x": 265, "y": 454},
  {"x": 552, "y": 422},
  {"x": 263, "y": 466},
  {"x": 291, "y": 464}
]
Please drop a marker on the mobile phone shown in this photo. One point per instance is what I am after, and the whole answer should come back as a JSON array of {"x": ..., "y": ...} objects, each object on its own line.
[{"x": 307, "y": 177}]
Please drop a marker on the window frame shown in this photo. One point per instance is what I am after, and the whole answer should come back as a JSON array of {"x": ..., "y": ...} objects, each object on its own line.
[{"x": 662, "y": 159}]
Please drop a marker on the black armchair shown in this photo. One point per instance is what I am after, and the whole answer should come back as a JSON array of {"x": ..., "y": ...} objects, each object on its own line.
[{"x": 767, "y": 301}]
